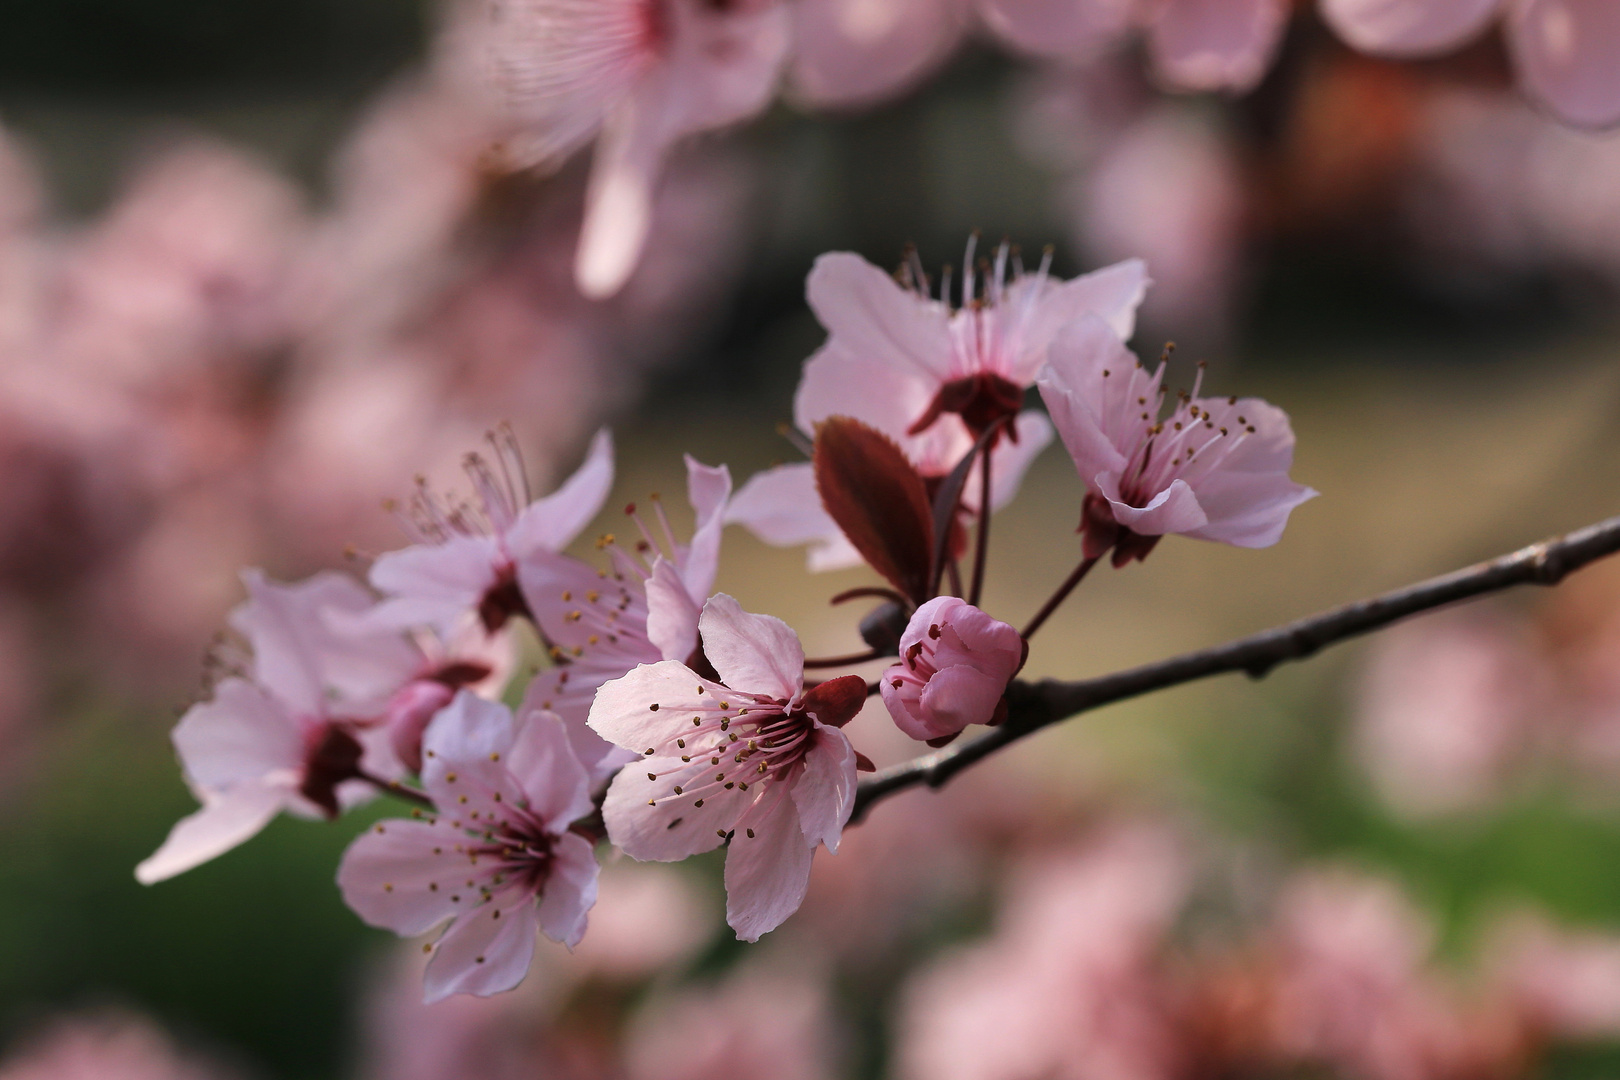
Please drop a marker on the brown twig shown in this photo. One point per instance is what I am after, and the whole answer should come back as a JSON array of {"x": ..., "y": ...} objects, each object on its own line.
[{"x": 1032, "y": 706}]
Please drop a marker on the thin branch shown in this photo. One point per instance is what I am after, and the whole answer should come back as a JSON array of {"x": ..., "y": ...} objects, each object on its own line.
[
  {"x": 842, "y": 661},
  {"x": 1038, "y": 705}
]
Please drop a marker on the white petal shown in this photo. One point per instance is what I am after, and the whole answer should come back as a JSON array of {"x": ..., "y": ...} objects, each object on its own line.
[
  {"x": 757, "y": 654},
  {"x": 225, "y": 821}
]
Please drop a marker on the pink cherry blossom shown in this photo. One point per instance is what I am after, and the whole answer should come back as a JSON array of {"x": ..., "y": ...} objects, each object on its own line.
[
  {"x": 1564, "y": 983},
  {"x": 931, "y": 376},
  {"x": 955, "y": 664},
  {"x": 755, "y": 760},
  {"x": 498, "y": 861},
  {"x": 1213, "y": 469},
  {"x": 473, "y": 660},
  {"x": 858, "y": 52},
  {"x": 1566, "y": 53},
  {"x": 103, "y": 1048},
  {"x": 466, "y": 558},
  {"x": 602, "y": 625},
  {"x": 638, "y": 76},
  {"x": 1059, "y": 29},
  {"x": 290, "y": 737},
  {"x": 1201, "y": 45},
  {"x": 776, "y": 1024}
]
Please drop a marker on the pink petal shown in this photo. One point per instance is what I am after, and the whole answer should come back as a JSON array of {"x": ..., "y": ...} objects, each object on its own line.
[
  {"x": 570, "y": 890},
  {"x": 674, "y": 828},
  {"x": 672, "y": 613},
  {"x": 757, "y": 654},
  {"x": 767, "y": 873},
  {"x": 623, "y": 712},
  {"x": 435, "y": 584},
  {"x": 552, "y": 523},
  {"x": 1173, "y": 510},
  {"x": 1567, "y": 53},
  {"x": 486, "y": 950},
  {"x": 1249, "y": 496},
  {"x": 1081, "y": 399},
  {"x": 825, "y": 791},
  {"x": 224, "y": 821},
  {"x": 781, "y": 507},
  {"x": 708, "y": 489},
  {"x": 1009, "y": 461},
  {"x": 464, "y": 765},
  {"x": 858, "y": 52},
  {"x": 240, "y": 736},
  {"x": 1112, "y": 294},
  {"x": 1065, "y": 29},
  {"x": 890, "y": 396},
  {"x": 571, "y": 701},
  {"x": 400, "y": 875},
  {"x": 1408, "y": 28},
  {"x": 1215, "y": 44},
  {"x": 544, "y": 764},
  {"x": 955, "y": 697},
  {"x": 871, "y": 316},
  {"x": 618, "y": 208}
]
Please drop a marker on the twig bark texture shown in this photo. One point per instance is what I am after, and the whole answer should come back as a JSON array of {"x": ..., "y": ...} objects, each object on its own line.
[{"x": 1033, "y": 706}]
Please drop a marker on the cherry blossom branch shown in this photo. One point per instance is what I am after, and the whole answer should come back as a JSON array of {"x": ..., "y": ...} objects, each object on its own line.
[{"x": 1032, "y": 706}]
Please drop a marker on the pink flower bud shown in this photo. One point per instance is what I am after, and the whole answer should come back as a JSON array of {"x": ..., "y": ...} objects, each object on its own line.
[{"x": 955, "y": 664}]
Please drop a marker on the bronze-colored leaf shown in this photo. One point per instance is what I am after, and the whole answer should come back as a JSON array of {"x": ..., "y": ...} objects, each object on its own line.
[{"x": 879, "y": 499}]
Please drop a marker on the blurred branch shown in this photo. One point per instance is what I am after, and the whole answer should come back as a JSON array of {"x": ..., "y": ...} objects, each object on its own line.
[{"x": 1033, "y": 706}]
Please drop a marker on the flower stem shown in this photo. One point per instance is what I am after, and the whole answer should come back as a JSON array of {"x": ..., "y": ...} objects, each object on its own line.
[
  {"x": 398, "y": 790},
  {"x": 1061, "y": 595},
  {"x": 842, "y": 661},
  {"x": 981, "y": 541}
]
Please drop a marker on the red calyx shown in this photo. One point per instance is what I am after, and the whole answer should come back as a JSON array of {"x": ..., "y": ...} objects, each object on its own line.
[{"x": 980, "y": 400}]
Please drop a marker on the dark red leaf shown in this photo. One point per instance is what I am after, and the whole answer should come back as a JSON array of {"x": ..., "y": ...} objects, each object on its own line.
[
  {"x": 879, "y": 499},
  {"x": 836, "y": 701}
]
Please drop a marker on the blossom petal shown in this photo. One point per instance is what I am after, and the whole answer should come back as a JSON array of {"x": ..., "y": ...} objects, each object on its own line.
[
  {"x": 543, "y": 762},
  {"x": 239, "y": 737},
  {"x": 672, "y": 613},
  {"x": 756, "y": 654},
  {"x": 224, "y": 821},
  {"x": 871, "y": 315},
  {"x": 465, "y": 751},
  {"x": 647, "y": 706},
  {"x": 647, "y": 821},
  {"x": 781, "y": 507},
  {"x": 956, "y": 697},
  {"x": 708, "y": 489},
  {"x": 767, "y": 867},
  {"x": 435, "y": 584},
  {"x": 1173, "y": 510},
  {"x": 1112, "y": 294},
  {"x": 486, "y": 950},
  {"x": 406, "y": 876},
  {"x": 1088, "y": 379},
  {"x": 570, "y": 699},
  {"x": 1408, "y": 28},
  {"x": 825, "y": 791},
  {"x": 1009, "y": 461},
  {"x": 1567, "y": 53},
  {"x": 552, "y": 523},
  {"x": 1215, "y": 44},
  {"x": 570, "y": 891},
  {"x": 839, "y": 381}
]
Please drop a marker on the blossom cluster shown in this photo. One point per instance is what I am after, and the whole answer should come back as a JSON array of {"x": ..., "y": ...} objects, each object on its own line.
[{"x": 671, "y": 721}]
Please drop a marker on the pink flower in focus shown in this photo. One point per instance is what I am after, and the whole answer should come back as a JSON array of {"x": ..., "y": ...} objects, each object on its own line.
[
  {"x": 603, "y": 625},
  {"x": 955, "y": 664},
  {"x": 472, "y": 660},
  {"x": 498, "y": 861},
  {"x": 930, "y": 376},
  {"x": 774, "y": 1025},
  {"x": 755, "y": 759},
  {"x": 1213, "y": 469},
  {"x": 858, "y": 52},
  {"x": 291, "y": 737},
  {"x": 638, "y": 76},
  {"x": 466, "y": 558},
  {"x": 1566, "y": 53}
]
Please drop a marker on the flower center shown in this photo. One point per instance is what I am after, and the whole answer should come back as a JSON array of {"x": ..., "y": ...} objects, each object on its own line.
[
  {"x": 331, "y": 756},
  {"x": 981, "y": 400}
]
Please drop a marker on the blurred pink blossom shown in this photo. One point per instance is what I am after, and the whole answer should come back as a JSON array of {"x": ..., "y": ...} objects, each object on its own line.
[
  {"x": 107, "y": 1048},
  {"x": 849, "y": 53},
  {"x": 1446, "y": 706},
  {"x": 765, "y": 1022},
  {"x": 1566, "y": 984}
]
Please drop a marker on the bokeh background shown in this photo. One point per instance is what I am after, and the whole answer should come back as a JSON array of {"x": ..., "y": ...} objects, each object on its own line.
[{"x": 277, "y": 283}]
